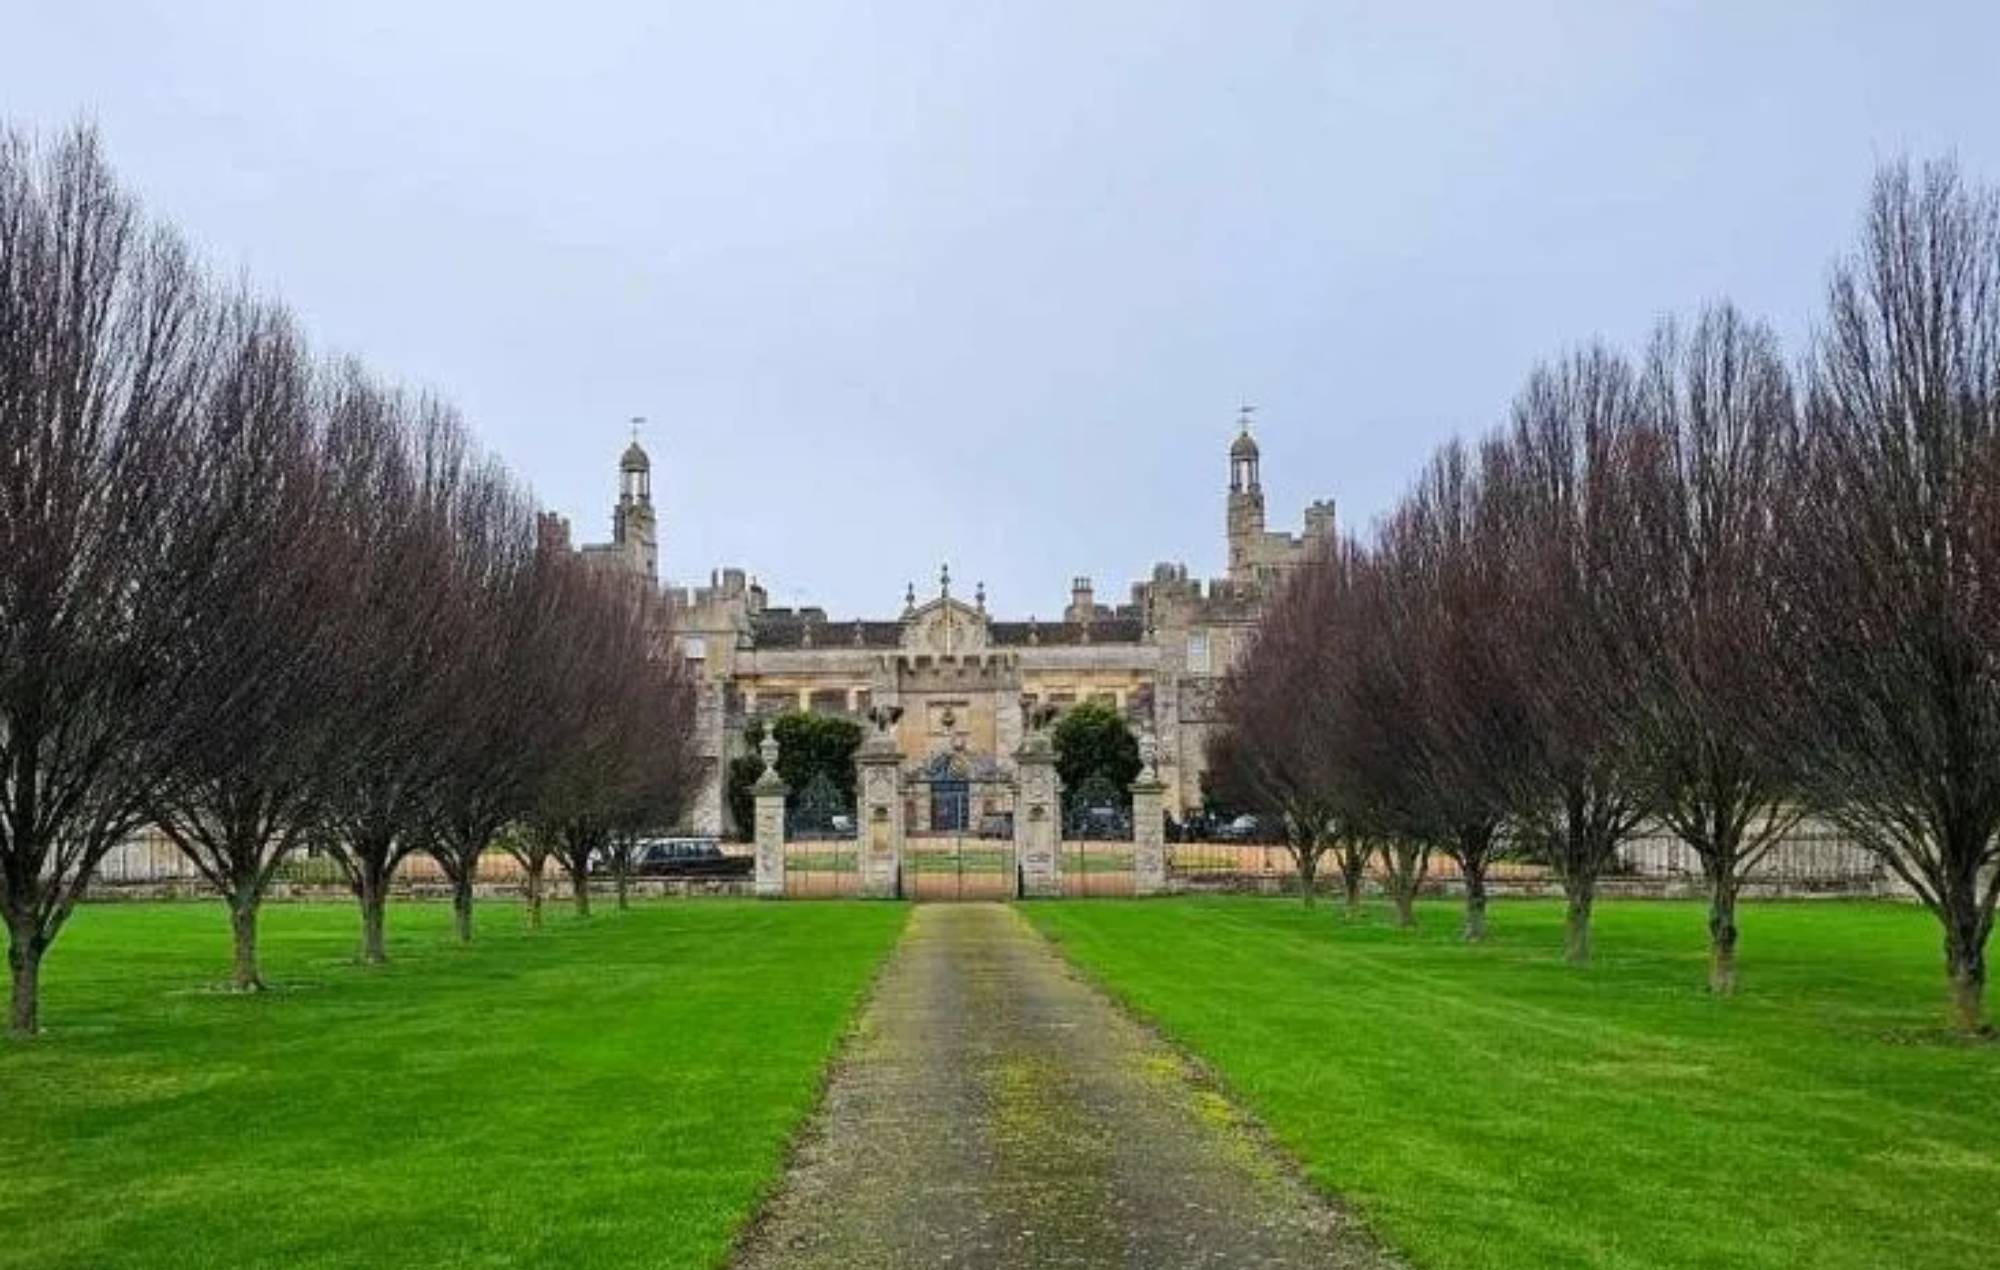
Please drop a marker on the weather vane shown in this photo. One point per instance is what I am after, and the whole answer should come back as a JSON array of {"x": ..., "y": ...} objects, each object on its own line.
[
  {"x": 636, "y": 421},
  {"x": 1243, "y": 414}
]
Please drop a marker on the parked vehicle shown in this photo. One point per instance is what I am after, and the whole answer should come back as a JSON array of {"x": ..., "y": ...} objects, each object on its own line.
[
  {"x": 689, "y": 857},
  {"x": 1102, "y": 824},
  {"x": 1241, "y": 829}
]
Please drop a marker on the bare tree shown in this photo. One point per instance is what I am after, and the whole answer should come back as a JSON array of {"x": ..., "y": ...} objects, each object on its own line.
[
  {"x": 533, "y": 845},
  {"x": 247, "y": 787},
  {"x": 664, "y": 763},
  {"x": 1460, "y": 750},
  {"x": 1709, "y": 475},
  {"x": 1405, "y": 864},
  {"x": 602, "y": 761},
  {"x": 1893, "y": 551},
  {"x": 1279, "y": 748},
  {"x": 1353, "y": 850},
  {"x": 511, "y": 598},
  {"x": 1560, "y": 498},
  {"x": 105, "y": 329},
  {"x": 396, "y": 471}
]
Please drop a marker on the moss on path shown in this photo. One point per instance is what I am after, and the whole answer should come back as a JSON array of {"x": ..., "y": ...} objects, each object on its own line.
[{"x": 994, "y": 1110}]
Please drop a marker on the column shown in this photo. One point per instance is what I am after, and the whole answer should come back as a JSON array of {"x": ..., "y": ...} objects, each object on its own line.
[
  {"x": 879, "y": 787},
  {"x": 1149, "y": 838},
  {"x": 769, "y": 792}
]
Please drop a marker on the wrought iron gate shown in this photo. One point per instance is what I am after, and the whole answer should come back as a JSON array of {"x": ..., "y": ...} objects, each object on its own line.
[
  {"x": 957, "y": 848},
  {"x": 1096, "y": 856}
]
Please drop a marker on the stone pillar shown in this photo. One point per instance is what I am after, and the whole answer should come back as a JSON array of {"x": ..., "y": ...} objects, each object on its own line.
[
  {"x": 1037, "y": 816},
  {"x": 1149, "y": 845},
  {"x": 879, "y": 785},
  {"x": 770, "y": 791}
]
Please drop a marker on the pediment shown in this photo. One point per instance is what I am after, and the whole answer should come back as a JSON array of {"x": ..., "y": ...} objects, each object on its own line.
[{"x": 945, "y": 627}]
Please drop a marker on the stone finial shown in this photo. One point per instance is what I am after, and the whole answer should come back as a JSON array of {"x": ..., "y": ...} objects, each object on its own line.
[
  {"x": 860, "y": 637},
  {"x": 770, "y": 782},
  {"x": 1038, "y": 715},
  {"x": 944, "y": 581},
  {"x": 1034, "y": 630},
  {"x": 884, "y": 718},
  {"x": 1149, "y": 753},
  {"x": 980, "y": 596},
  {"x": 909, "y": 599}
]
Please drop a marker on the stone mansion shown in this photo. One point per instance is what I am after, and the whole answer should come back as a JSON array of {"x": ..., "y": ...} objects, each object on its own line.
[{"x": 962, "y": 675}]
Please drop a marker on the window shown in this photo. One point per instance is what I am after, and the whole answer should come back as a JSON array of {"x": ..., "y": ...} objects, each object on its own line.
[
  {"x": 1198, "y": 652},
  {"x": 694, "y": 648}
]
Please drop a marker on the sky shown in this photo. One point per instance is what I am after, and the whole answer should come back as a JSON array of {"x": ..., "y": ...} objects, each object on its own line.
[{"x": 898, "y": 284}]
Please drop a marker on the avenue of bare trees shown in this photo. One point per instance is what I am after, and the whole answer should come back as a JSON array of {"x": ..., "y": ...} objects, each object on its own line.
[
  {"x": 1701, "y": 588},
  {"x": 269, "y": 603}
]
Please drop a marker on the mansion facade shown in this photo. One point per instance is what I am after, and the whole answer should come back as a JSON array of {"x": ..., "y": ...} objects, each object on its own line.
[{"x": 964, "y": 677}]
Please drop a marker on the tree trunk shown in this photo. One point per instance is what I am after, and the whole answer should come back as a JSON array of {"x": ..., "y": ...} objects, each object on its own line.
[
  {"x": 623, "y": 879},
  {"x": 580, "y": 888},
  {"x": 461, "y": 905},
  {"x": 1965, "y": 960},
  {"x": 374, "y": 903},
  {"x": 1406, "y": 906},
  {"x": 1308, "y": 863},
  {"x": 1722, "y": 936},
  {"x": 243, "y": 906},
  {"x": 1475, "y": 900},
  {"x": 1576, "y": 924},
  {"x": 1351, "y": 883},
  {"x": 535, "y": 896},
  {"x": 24, "y": 958}
]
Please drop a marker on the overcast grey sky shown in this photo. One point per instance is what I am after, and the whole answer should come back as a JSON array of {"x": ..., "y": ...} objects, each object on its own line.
[{"x": 905, "y": 282}]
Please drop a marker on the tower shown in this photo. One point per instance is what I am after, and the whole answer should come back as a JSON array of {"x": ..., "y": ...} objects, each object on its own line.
[
  {"x": 633, "y": 528},
  {"x": 1246, "y": 501}
]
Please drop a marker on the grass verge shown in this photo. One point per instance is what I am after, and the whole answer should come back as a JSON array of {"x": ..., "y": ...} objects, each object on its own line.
[
  {"x": 605, "y": 1093},
  {"x": 1491, "y": 1106}
]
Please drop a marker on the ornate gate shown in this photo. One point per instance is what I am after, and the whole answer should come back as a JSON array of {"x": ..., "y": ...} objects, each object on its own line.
[
  {"x": 950, "y": 797},
  {"x": 961, "y": 844},
  {"x": 820, "y": 842},
  {"x": 1096, "y": 856}
]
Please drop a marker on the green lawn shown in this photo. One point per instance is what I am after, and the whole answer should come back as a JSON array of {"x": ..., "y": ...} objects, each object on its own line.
[
  {"x": 1490, "y": 1106},
  {"x": 610, "y": 1093}
]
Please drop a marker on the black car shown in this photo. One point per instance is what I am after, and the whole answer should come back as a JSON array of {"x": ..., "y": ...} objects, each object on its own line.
[{"x": 689, "y": 858}]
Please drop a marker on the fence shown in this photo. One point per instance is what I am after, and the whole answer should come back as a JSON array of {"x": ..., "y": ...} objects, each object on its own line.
[
  {"x": 1813, "y": 858},
  {"x": 149, "y": 860}
]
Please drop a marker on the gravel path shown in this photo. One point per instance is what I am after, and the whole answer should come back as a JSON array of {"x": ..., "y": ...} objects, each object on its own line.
[{"x": 994, "y": 1110}]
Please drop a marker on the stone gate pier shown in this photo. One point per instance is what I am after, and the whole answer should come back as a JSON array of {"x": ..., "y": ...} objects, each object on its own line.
[
  {"x": 769, "y": 793},
  {"x": 1037, "y": 813},
  {"x": 879, "y": 805},
  {"x": 1149, "y": 831}
]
